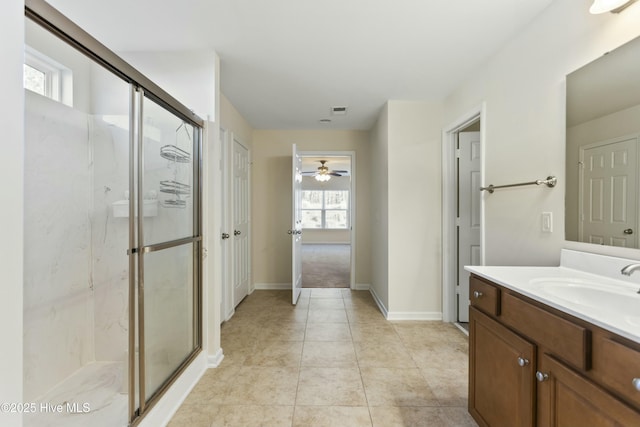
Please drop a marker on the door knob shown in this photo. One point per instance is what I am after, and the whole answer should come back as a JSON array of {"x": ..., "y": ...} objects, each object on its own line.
[
  {"x": 628, "y": 231},
  {"x": 225, "y": 236},
  {"x": 542, "y": 376},
  {"x": 236, "y": 232}
]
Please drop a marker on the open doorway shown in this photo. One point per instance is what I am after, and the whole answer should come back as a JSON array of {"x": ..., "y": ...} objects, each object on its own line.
[
  {"x": 462, "y": 213},
  {"x": 327, "y": 220}
]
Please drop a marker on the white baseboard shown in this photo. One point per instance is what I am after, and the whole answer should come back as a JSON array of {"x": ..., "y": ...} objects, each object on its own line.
[
  {"x": 214, "y": 360},
  {"x": 287, "y": 286},
  {"x": 326, "y": 243},
  {"x": 166, "y": 407},
  {"x": 414, "y": 315},
  {"x": 381, "y": 306},
  {"x": 404, "y": 315},
  {"x": 272, "y": 286}
]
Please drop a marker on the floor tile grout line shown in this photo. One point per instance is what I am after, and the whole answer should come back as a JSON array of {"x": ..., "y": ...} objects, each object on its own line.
[
  {"x": 405, "y": 337},
  {"x": 364, "y": 389},
  {"x": 304, "y": 340}
]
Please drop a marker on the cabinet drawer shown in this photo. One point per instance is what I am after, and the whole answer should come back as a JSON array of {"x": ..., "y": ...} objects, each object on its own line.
[
  {"x": 484, "y": 296},
  {"x": 620, "y": 366},
  {"x": 567, "y": 340}
]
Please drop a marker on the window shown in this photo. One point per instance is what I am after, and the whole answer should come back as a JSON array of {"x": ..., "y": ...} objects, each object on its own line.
[
  {"x": 325, "y": 209},
  {"x": 46, "y": 77},
  {"x": 35, "y": 80}
]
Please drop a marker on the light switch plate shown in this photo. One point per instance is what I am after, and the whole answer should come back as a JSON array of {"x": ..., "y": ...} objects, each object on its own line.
[{"x": 547, "y": 222}]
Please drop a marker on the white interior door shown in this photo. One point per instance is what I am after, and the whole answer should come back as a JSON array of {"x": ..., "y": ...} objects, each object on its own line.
[
  {"x": 240, "y": 222},
  {"x": 296, "y": 226},
  {"x": 468, "y": 215},
  {"x": 608, "y": 198}
]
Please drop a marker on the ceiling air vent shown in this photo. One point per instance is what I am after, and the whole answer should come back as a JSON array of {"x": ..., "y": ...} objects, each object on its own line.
[{"x": 338, "y": 111}]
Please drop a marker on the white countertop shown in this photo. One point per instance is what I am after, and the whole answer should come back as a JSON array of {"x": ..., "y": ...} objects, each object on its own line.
[{"x": 624, "y": 321}]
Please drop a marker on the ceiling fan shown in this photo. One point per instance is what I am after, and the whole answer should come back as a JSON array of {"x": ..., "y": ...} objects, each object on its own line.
[{"x": 324, "y": 173}]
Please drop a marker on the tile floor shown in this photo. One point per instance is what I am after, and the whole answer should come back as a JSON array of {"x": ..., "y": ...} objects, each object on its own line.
[{"x": 332, "y": 360}]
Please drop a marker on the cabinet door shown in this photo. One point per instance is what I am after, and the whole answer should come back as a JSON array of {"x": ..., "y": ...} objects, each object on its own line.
[
  {"x": 566, "y": 399},
  {"x": 501, "y": 374}
]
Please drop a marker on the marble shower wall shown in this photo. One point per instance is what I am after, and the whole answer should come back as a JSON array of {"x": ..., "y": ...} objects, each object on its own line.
[
  {"x": 76, "y": 265},
  {"x": 58, "y": 294},
  {"x": 110, "y": 236}
]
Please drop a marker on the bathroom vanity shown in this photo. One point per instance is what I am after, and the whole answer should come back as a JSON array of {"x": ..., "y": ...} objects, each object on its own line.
[{"x": 555, "y": 346}]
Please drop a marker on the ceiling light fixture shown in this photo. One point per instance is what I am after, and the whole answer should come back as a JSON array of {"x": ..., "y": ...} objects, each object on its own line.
[
  {"x": 613, "y": 6},
  {"x": 323, "y": 172}
]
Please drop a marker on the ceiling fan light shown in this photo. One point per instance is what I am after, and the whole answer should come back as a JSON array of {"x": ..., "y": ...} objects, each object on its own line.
[
  {"x": 323, "y": 177},
  {"x": 602, "y": 6}
]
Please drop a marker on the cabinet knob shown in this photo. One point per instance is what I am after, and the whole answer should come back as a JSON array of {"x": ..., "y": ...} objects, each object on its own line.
[
  {"x": 542, "y": 376},
  {"x": 225, "y": 236},
  {"x": 477, "y": 294},
  {"x": 636, "y": 383},
  {"x": 237, "y": 232},
  {"x": 522, "y": 361}
]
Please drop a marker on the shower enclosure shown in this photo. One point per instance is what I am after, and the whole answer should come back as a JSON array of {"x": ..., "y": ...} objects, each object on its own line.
[{"x": 112, "y": 300}]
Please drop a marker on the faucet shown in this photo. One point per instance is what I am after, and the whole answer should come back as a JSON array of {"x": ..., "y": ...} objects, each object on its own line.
[{"x": 627, "y": 270}]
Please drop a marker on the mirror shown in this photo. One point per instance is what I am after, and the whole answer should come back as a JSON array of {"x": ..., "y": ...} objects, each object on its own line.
[{"x": 603, "y": 136}]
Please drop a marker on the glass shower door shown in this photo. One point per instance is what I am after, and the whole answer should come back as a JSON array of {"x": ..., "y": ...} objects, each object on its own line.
[{"x": 169, "y": 238}]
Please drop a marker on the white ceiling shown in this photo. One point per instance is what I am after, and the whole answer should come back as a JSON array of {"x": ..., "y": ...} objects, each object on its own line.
[{"x": 285, "y": 63}]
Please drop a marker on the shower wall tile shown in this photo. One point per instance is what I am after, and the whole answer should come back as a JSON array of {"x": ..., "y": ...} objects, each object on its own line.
[{"x": 58, "y": 303}]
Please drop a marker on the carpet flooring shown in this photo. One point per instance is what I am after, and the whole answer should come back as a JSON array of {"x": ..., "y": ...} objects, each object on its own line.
[{"x": 326, "y": 266}]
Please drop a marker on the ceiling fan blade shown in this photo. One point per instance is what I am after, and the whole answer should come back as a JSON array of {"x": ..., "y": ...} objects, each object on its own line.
[
  {"x": 334, "y": 174},
  {"x": 340, "y": 171}
]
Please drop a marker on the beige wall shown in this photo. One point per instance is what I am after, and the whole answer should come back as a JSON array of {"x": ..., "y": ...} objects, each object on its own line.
[
  {"x": 271, "y": 198},
  {"x": 231, "y": 120},
  {"x": 406, "y": 209},
  {"x": 415, "y": 225},
  {"x": 326, "y": 236},
  {"x": 379, "y": 204}
]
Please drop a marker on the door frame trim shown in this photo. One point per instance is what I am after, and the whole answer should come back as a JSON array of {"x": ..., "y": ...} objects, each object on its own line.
[
  {"x": 449, "y": 196},
  {"x": 352, "y": 201}
]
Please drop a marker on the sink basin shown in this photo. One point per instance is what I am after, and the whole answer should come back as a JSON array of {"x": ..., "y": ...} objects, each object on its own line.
[{"x": 620, "y": 300}]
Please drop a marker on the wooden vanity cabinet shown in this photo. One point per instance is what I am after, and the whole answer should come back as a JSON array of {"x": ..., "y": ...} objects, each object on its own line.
[
  {"x": 530, "y": 364},
  {"x": 501, "y": 374},
  {"x": 566, "y": 398}
]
